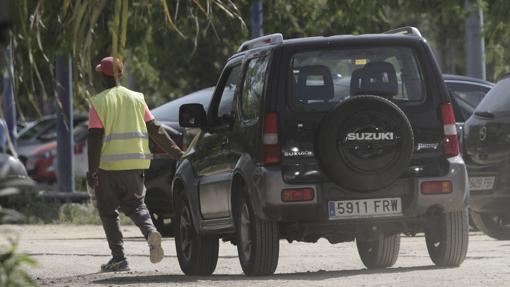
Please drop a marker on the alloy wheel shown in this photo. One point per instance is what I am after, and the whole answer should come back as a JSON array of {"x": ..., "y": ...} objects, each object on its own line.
[
  {"x": 186, "y": 232},
  {"x": 245, "y": 232}
]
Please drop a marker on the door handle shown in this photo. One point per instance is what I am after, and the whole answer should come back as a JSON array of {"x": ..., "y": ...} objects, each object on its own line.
[{"x": 225, "y": 141}]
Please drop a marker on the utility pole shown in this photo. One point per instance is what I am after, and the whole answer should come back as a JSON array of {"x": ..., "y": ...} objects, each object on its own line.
[
  {"x": 256, "y": 19},
  {"x": 9, "y": 105},
  {"x": 474, "y": 41},
  {"x": 65, "y": 121}
]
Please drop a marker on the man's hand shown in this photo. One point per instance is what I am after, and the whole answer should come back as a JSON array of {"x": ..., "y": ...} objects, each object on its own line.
[{"x": 92, "y": 179}]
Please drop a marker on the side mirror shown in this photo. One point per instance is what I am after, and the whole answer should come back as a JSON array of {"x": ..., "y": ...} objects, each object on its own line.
[{"x": 192, "y": 116}]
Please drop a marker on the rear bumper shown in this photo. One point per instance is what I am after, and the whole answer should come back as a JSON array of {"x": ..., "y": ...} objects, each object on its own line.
[{"x": 266, "y": 196}]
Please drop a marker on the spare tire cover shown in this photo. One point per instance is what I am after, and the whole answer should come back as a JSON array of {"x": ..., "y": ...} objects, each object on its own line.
[{"x": 365, "y": 143}]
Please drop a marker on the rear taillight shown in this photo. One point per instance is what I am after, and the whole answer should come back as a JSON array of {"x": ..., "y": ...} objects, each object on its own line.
[
  {"x": 450, "y": 142},
  {"x": 436, "y": 187},
  {"x": 271, "y": 154},
  {"x": 297, "y": 194}
]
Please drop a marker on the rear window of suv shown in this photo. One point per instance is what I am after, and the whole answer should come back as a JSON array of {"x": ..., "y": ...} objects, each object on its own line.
[{"x": 319, "y": 79}]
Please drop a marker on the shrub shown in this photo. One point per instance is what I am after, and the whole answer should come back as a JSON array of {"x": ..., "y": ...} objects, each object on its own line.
[{"x": 12, "y": 266}]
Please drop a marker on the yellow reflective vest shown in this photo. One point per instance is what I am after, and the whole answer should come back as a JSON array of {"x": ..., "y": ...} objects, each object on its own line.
[{"x": 126, "y": 141}]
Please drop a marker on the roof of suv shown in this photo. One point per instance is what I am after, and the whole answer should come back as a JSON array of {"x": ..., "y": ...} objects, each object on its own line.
[
  {"x": 351, "y": 38},
  {"x": 406, "y": 34}
]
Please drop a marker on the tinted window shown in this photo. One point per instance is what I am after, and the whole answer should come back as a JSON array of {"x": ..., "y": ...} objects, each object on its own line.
[
  {"x": 253, "y": 88},
  {"x": 319, "y": 79},
  {"x": 227, "y": 95},
  {"x": 50, "y": 134},
  {"x": 36, "y": 129},
  {"x": 497, "y": 99},
  {"x": 467, "y": 96},
  {"x": 170, "y": 111}
]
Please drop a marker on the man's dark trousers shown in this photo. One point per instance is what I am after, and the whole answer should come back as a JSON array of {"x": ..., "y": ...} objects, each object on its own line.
[{"x": 122, "y": 190}]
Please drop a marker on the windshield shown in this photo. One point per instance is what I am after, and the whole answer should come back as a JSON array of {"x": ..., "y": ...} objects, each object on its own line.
[{"x": 318, "y": 79}]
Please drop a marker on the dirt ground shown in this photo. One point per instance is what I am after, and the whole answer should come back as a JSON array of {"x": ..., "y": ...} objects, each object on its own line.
[{"x": 71, "y": 256}]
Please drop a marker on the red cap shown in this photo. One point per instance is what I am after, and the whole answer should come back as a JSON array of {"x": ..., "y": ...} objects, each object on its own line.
[{"x": 106, "y": 66}]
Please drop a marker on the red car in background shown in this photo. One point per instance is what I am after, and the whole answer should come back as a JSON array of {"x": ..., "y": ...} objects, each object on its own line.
[{"x": 41, "y": 164}]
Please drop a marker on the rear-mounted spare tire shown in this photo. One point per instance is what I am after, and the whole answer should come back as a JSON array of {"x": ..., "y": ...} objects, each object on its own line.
[{"x": 365, "y": 143}]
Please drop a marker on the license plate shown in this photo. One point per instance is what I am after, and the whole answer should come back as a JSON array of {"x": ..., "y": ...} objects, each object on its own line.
[
  {"x": 365, "y": 208},
  {"x": 481, "y": 182}
]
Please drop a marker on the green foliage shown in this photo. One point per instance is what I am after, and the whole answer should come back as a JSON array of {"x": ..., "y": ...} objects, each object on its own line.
[
  {"x": 82, "y": 213},
  {"x": 13, "y": 265},
  {"x": 171, "y": 48},
  {"x": 497, "y": 38},
  {"x": 43, "y": 211},
  {"x": 88, "y": 31},
  {"x": 35, "y": 209}
]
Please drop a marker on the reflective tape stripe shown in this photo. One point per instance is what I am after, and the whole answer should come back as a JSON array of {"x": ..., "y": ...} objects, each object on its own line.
[
  {"x": 450, "y": 130},
  {"x": 126, "y": 136},
  {"x": 125, "y": 156},
  {"x": 270, "y": 139}
]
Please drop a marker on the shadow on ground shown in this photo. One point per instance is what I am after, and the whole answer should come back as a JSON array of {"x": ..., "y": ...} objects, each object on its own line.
[{"x": 310, "y": 276}]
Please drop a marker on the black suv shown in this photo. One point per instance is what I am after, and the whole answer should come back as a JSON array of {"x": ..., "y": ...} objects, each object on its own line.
[
  {"x": 487, "y": 154},
  {"x": 344, "y": 138}
]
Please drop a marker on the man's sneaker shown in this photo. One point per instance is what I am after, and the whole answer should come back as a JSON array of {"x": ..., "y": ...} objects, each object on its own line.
[
  {"x": 115, "y": 265},
  {"x": 154, "y": 241}
]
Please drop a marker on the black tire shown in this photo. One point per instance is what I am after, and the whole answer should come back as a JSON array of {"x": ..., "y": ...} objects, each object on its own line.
[
  {"x": 197, "y": 254},
  {"x": 166, "y": 229},
  {"x": 494, "y": 225},
  {"x": 381, "y": 252},
  {"x": 258, "y": 243},
  {"x": 365, "y": 164},
  {"x": 447, "y": 237}
]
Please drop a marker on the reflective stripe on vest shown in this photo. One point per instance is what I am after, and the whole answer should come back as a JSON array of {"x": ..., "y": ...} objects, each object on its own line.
[
  {"x": 125, "y": 156},
  {"x": 126, "y": 136}
]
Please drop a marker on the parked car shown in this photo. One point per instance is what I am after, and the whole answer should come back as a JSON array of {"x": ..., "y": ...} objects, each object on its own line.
[
  {"x": 13, "y": 180},
  {"x": 21, "y": 126},
  {"x": 13, "y": 176},
  {"x": 158, "y": 178},
  {"x": 286, "y": 151},
  {"x": 487, "y": 155},
  {"x": 41, "y": 163},
  {"x": 466, "y": 92},
  {"x": 41, "y": 132}
]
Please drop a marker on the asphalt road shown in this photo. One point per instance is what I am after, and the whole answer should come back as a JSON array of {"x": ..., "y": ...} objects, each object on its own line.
[{"x": 71, "y": 256}]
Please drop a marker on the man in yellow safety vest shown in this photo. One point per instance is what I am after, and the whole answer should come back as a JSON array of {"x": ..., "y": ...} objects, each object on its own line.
[{"x": 120, "y": 125}]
